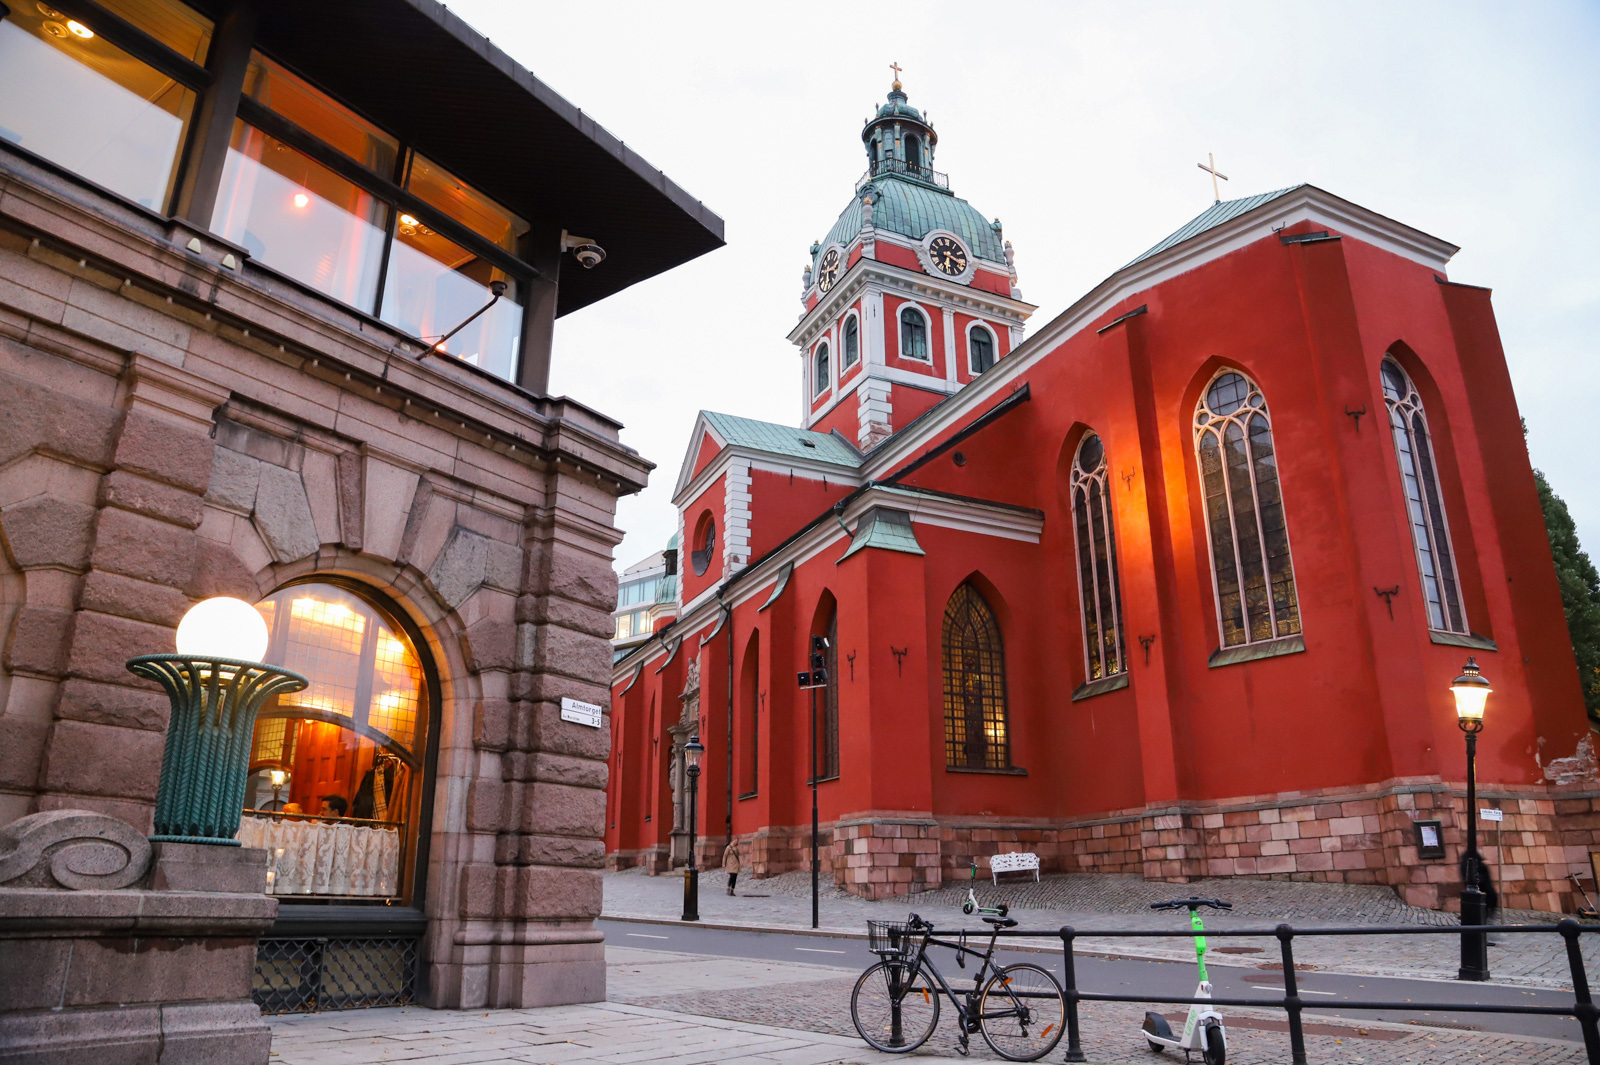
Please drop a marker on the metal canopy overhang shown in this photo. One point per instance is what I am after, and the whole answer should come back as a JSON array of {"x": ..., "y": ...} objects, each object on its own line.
[{"x": 423, "y": 74}]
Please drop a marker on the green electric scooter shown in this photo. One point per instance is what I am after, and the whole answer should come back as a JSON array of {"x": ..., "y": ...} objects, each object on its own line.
[{"x": 1203, "y": 1029}]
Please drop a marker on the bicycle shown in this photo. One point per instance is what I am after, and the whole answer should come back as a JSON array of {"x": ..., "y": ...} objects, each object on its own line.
[{"x": 1020, "y": 1009}]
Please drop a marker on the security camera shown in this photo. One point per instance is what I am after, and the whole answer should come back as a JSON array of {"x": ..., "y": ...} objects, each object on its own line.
[{"x": 588, "y": 253}]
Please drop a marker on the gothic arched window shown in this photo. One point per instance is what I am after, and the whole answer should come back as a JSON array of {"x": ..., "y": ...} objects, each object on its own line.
[
  {"x": 913, "y": 334},
  {"x": 975, "y": 721},
  {"x": 821, "y": 377},
  {"x": 1249, "y": 539},
  {"x": 1104, "y": 655},
  {"x": 913, "y": 150},
  {"x": 1430, "y": 532},
  {"x": 980, "y": 348},
  {"x": 852, "y": 342}
]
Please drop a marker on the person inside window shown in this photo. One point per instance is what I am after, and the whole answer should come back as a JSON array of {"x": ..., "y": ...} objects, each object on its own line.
[{"x": 333, "y": 806}]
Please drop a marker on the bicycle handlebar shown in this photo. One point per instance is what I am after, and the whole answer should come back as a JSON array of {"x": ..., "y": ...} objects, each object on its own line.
[{"x": 1191, "y": 904}]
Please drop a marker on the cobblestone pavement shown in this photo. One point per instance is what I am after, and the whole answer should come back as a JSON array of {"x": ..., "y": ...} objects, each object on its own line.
[
  {"x": 1122, "y": 901},
  {"x": 687, "y": 1009},
  {"x": 816, "y": 998}
]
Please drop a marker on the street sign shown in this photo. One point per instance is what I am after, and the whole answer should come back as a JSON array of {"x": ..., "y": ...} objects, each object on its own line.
[
  {"x": 581, "y": 713},
  {"x": 1489, "y": 813}
]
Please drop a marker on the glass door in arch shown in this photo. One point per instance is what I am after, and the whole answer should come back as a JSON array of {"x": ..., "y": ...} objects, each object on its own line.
[{"x": 335, "y": 789}]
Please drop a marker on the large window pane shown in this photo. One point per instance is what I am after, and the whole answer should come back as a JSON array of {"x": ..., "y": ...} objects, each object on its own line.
[
  {"x": 181, "y": 29},
  {"x": 437, "y": 187},
  {"x": 335, "y": 784},
  {"x": 300, "y": 218},
  {"x": 70, "y": 96},
  {"x": 335, "y": 125},
  {"x": 434, "y": 284}
]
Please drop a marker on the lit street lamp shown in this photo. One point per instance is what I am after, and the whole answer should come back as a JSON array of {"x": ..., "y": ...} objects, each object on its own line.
[
  {"x": 1471, "y": 691},
  {"x": 692, "y": 753},
  {"x": 217, "y": 684}
]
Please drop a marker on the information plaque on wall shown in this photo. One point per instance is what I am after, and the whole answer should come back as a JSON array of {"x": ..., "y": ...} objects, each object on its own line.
[{"x": 583, "y": 713}]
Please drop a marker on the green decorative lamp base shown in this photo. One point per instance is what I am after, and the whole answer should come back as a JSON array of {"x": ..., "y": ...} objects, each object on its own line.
[{"x": 206, "y": 763}]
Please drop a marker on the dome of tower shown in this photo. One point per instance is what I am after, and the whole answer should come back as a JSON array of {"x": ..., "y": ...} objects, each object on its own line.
[{"x": 914, "y": 210}]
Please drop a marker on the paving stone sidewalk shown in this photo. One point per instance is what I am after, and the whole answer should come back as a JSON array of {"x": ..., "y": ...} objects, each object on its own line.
[
  {"x": 1115, "y": 901},
  {"x": 687, "y": 1009}
]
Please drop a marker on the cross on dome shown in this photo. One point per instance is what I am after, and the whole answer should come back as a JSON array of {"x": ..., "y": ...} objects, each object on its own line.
[{"x": 896, "y": 68}]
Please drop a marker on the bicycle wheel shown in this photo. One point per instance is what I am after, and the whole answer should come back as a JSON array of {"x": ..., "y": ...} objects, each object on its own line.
[
  {"x": 1023, "y": 1012},
  {"x": 895, "y": 1008}
]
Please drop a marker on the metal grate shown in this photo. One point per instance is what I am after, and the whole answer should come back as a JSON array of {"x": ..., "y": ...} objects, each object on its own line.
[{"x": 314, "y": 975}]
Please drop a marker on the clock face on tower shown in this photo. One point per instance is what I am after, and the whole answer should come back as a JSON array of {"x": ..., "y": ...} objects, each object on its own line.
[
  {"x": 947, "y": 256},
  {"x": 828, "y": 270}
]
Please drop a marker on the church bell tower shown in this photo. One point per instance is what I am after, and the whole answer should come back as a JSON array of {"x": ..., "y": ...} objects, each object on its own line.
[{"x": 912, "y": 294}]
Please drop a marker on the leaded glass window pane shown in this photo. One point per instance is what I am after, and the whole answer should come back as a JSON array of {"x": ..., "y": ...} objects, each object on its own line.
[
  {"x": 852, "y": 342},
  {"x": 1430, "y": 531},
  {"x": 1100, "y": 596},
  {"x": 821, "y": 375},
  {"x": 976, "y": 725},
  {"x": 1245, "y": 523}
]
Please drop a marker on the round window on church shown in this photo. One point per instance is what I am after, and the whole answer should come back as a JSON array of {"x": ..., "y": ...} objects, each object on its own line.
[{"x": 336, "y": 787}]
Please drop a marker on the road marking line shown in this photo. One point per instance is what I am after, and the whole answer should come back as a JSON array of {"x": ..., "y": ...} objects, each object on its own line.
[
  {"x": 1279, "y": 990},
  {"x": 641, "y": 935},
  {"x": 818, "y": 950}
]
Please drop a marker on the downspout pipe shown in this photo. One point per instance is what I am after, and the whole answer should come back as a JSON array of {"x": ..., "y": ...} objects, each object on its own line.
[{"x": 727, "y": 621}]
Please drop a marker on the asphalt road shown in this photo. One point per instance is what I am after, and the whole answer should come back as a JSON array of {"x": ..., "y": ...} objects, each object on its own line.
[{"x": 1323, "y": 992}]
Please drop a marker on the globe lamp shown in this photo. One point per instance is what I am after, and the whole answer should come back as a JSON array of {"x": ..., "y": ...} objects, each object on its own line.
[{"x": 223, "y": 628}]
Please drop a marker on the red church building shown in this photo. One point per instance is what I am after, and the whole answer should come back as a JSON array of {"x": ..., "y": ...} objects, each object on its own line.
[{"x": 1176, "y": 585}]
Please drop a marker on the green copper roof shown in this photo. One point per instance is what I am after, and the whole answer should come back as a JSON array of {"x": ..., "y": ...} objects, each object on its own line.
[
  {"x": 782, "y": 439},
  {"x": 914, "y": 210},
  {"x": 1213, "y": 216},
  {"x": 884, "y": 528}
]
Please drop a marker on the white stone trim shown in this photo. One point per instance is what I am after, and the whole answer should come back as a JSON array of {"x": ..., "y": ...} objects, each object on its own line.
[
  {"x": 872, "y": 300},
  {"x": 736, "y": 517},
  {"x": 861, "y": 340},
  {"x": 950, "y": 374},
  {"x": 994, "y": 334},
  {"x": 874, "y": 412},
  {"x": 872, "y": 274},
  {"x": 899, "y": 327}
]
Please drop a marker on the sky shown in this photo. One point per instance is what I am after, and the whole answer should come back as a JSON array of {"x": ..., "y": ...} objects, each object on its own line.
[{"x": 1079, "y": 127}]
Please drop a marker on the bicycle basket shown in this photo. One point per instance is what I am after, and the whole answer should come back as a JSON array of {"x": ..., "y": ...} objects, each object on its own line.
[{"x": 894, "y": 939}]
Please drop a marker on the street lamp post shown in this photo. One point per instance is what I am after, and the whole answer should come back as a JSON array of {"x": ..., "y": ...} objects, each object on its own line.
[
  {"x": 692, "y": 752},
  {"x": 816, "y": 677},
  {"x": 1471, "y": 691}
]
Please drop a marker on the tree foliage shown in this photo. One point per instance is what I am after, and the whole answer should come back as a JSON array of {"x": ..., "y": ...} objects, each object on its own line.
[{"x": 1580, "y": 591}]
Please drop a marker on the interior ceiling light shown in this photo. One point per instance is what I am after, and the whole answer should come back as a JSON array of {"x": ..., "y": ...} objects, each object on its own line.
[
  {"x": 301, "y": 200},
  {"x": 408, "y": 220},
  {"x": 80, "y": 30}
]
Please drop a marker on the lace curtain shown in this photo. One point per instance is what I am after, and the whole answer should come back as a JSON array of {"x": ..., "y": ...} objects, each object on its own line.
[{"x": 325, "y": 858}]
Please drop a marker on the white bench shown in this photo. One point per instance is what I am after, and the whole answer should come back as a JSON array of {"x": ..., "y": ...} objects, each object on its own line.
[{"x": 1015, "y": 862}]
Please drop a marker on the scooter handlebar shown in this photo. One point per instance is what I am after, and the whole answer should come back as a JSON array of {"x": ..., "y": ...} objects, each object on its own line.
[{"x": 1191, "y": 904}]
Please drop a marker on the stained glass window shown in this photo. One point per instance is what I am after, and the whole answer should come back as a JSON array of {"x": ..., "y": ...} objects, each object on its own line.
[
  {"x": 976, "y": 732},
  {"x": 1430, "y": 532},
  {"x": 1245, "y": 524},
  {"x": 1100, "y": 597}
]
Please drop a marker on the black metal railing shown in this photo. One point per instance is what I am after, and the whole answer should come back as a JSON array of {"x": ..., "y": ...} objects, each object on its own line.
[
  {"x": 1583, "y": 1007},
  {"x": 882, "y": 167},
  {"x": 316, "y": 973}
]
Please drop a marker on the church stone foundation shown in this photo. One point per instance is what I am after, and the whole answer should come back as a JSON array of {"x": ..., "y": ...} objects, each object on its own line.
[{"x": 1349, "y": 836}]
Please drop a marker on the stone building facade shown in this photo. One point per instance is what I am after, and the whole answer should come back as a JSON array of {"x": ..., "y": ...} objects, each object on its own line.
[{"x": 179, "y": 422}]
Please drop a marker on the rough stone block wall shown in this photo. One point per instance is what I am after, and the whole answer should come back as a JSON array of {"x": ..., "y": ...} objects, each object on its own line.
[
  {"x": 175, "y": 429},
  {"x": 885, "y": 859}
]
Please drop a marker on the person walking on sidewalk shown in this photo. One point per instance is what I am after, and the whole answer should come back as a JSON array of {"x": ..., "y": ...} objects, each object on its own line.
[{"x": 730, "y": 863}]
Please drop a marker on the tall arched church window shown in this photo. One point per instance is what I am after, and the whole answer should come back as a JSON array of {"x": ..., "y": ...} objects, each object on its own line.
[
  {"x": 822, "y": 376},
  {"x": 913, "y": 150},
  {"x": 852, "y": 342},
  {"x": 1245, "y": 525},
  {"x": 1430, "y": 532},
  {"x": 980, "y": 345},
  {"x": 1101, "y": 599},
  {"x": 336, "y": 787},
  {"x": 828, "y": 705},
  {"x": 976, "y": 733},
  {"x": 913, "y": 334}
]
